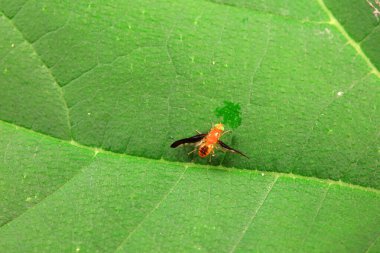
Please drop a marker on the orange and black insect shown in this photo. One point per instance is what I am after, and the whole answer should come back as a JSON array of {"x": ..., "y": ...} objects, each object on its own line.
[{"x": 206, "y": 143}]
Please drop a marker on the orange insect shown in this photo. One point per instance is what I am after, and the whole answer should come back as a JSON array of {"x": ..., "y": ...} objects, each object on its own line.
[{"x": 206, "y": 143}]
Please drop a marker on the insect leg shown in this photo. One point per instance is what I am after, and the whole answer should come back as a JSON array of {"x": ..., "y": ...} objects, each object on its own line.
[
  {"x": 212, "y": 154},
  {"x": 198, "y": 132},
  {"x": 226, "y": 132},
  {"x": 192, "y": 151},
  {"x": 196, "y": 145}
]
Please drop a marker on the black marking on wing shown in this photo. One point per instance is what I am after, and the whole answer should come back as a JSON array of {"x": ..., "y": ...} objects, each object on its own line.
[
  {"x": 192, "y": 139},
  {"x": 228, "y": 148}
]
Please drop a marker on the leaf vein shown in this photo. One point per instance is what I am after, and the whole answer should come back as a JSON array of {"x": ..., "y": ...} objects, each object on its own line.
[
  {"x": 279, "y": 174},
  {"x": 321, "y": 202},
  {"x": 50, "y": 194},
  {"x": 369, "y": 34},
  {"x": 353, "y": 43},
  {"x": 55, "y": 82},
  {"x": 245, "y": 229},
  {"x": 259, "y": 64},
  {"x": 321, "y": 113},
  {"x": 373, "y": 243},
  {"x": 164, "y": 197}
]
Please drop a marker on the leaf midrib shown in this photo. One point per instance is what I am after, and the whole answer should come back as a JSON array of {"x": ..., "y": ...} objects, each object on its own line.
[
  {"x": 332, "y": 22},
  {"x": 356, "y": 45},
  {"x": 96, "y": 151},
  {"x": 50, "y": 73},
  {"x": 99, "y": 150},
  {"x": 184, "y": 167}
]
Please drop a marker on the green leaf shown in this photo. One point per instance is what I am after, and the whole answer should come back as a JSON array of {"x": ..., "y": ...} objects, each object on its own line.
[
  {"x": 93, "y": 94},
  {"x": 361, "y": 24},
  {"x": 61, "y": 197}
]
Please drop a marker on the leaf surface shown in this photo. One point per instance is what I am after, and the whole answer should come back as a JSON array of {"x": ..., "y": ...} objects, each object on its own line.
[
  {"x": 361, "y": 24},
  {"x": 93, "y": 94},
  {"x": 112, "y": 202}
]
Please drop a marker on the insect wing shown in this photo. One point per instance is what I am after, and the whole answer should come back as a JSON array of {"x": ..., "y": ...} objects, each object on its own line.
[
  {"x": 193, "y": 139},
  {"x": 228, "y": 148}
]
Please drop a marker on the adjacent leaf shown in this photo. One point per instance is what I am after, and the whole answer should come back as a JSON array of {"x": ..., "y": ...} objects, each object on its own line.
[{"x": 103, "y": 87}]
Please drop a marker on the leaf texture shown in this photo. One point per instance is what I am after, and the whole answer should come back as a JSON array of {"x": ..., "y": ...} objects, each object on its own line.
[{"x": 93, "y": 94}]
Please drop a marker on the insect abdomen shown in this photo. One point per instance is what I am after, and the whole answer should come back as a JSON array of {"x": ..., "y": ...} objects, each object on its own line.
[{"x": 204, "y": 150}]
